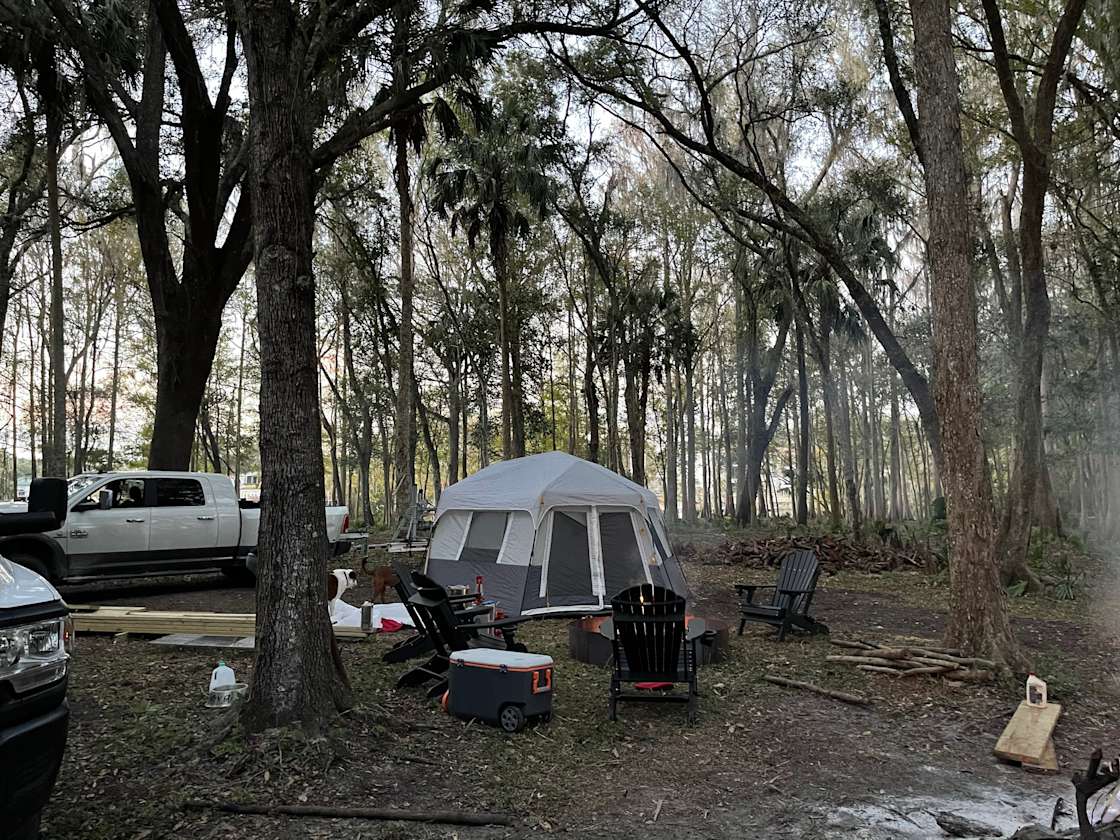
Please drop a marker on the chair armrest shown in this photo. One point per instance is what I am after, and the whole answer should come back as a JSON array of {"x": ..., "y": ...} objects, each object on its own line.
[
  {"x": 500, "y": 624},
  {"x": 470, "y": 612},
  {"x": 751, "y": 588},
  {"x": 461, "y": 599},
  {"x": 797, "y": 591}
]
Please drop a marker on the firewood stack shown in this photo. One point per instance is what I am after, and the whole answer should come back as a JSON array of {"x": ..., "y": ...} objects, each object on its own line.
[
  {"x": 909, "y": 661},
  {"x": 835, "y": 554}
]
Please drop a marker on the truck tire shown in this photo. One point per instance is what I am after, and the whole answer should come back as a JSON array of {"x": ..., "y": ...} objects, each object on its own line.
[
  {"x": 240, "y": 575},
  {"x": 30, "y": 561}
]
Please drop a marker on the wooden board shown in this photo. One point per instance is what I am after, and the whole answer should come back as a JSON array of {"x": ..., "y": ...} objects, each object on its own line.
[
  {"x": 1049, "y": 761},
  {"x": 142, "y": 621},
  {"x": 1027, "y": 735}
]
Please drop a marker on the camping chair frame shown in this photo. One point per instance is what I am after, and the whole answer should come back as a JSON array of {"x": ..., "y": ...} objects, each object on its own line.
[
  {"x": 652, "y": 644},
  {"x": 791, "y": 600},
  {"x": 447, "y": 633}
]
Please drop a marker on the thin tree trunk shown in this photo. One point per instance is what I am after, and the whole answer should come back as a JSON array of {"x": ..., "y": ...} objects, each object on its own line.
[
  {"x": 404, "y": 453},
  {"x": 847, "y": 451},
  {"x": 590, "y": 396},
  {"x": 54, "y": 460},
  {"x": 804, "y": 430},
  {"x": 690, "y": 472},
  {"x": 453, "y": 410}
]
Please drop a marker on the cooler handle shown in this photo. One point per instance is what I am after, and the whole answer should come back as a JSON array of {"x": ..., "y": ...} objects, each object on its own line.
[{"x": 542, "y": 681}]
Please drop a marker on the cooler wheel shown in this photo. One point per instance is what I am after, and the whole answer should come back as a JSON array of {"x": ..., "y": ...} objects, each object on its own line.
[{"x": 511, "y": 718}]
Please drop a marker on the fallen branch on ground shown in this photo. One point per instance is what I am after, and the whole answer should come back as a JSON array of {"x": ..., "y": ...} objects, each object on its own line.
[
  {"x": 448, "y": 817},
  {"x": 843, "y": 696}
]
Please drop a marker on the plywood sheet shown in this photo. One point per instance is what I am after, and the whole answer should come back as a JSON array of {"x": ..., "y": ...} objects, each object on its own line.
[{"x": 1027, "y": 735}]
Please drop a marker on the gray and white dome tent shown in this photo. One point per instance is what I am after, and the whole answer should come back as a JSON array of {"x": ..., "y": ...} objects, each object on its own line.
[{"x": 551, "y": 534}]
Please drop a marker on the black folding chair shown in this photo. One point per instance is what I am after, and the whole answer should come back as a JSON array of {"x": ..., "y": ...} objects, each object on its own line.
[
  {"x": 652, "y": 644},
  {"x": 418, "y": 643},
  {"x": 791, "y": 599},
  {"x": 448, "y": 631}
]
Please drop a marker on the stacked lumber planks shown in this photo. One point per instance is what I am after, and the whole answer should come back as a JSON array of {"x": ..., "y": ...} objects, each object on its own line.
[
  {"x": 142, "y": 621},
  {"x": 911, "y": 661},
  {"x": 1028, "y": 740}
]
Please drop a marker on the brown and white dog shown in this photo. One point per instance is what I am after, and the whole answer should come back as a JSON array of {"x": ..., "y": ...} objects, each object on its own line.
[{"x": 338, "y": 581}]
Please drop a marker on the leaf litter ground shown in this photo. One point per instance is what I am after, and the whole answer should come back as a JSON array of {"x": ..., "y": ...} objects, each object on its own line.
[{"x": 762, "y": 761}]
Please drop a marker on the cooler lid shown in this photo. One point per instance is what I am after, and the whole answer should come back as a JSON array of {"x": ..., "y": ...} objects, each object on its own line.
[{"x": 511, "y": 659}]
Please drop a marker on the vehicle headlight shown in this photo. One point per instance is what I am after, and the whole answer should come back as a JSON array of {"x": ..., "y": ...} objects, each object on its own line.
[{"x": 33, "y": 655}]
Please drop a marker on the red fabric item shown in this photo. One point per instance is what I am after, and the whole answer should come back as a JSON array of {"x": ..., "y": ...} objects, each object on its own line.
[
  {"x": 388, "y": 625},
  {"x": 653, "y": 686}
]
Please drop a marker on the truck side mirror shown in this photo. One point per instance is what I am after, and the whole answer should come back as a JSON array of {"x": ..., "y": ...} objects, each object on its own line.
[{"x": 104, "y": 499}]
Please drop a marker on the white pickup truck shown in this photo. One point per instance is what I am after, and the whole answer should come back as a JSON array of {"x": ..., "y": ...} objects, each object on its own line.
[{"x": 150, "y": 522}]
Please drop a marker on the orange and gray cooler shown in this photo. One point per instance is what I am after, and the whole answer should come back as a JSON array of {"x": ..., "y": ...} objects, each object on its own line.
[{"x": 501, "y": 687}]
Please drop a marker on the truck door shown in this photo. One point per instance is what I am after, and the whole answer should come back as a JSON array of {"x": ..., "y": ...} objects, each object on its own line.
[
  {"x": 112, "y": 541},
  {"x": 184, "y": 524}
]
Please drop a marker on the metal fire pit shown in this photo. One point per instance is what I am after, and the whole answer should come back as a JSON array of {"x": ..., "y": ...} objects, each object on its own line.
[{"x": 586, "y": 644}]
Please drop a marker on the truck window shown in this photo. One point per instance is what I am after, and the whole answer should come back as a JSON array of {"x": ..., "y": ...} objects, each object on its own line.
[
  {"x": 127, "y": 493},
  {"x": 179, "y": 492}
]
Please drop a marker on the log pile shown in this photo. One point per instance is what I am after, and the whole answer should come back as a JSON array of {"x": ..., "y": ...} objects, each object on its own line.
[
  {"x": 834, "y": 553},
  {"x": 912, "y": 661}
]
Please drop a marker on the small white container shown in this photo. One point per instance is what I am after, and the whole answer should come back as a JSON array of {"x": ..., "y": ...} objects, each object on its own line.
[
  {"x": 1036, "y": 691},
  {"x": 222, "y": 676}
]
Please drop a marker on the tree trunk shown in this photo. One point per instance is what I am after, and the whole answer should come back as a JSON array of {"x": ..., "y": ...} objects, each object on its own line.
[
  {"x": 671, "y": 505},
  {"x": 404, "y": 454},
  {"x": 453, "y": 411},
  {"x": 846, "y": 445},
  {"x": 804, "y": 429},
  {"x": 483, "y": 419},
  {"x": 978, "y": 607},
  {"x": 295, "y": 677},
  {"x": 499, "y": 256},
  {"x": 54, "y": 459},
  {"x": 429, "y": 443},
  {"x": 573, "y": 394},
  {"x": 590, "y": 396},
  {"x": 690, "y": 447}
]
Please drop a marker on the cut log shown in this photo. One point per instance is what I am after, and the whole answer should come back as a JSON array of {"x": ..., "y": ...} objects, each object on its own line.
[
  {"x": 843, "y": 696},
  {"x": 879, "y": 669},
  {"x": 928, "y": 670},
  {"x": 851, "y": 643},
  {"x": 864, "y": 660},
  {"x": 447, "y": 817},
  {"x": 936, "y": 663}
]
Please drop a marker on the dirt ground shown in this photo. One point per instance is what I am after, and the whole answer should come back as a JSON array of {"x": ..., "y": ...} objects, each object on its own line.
[{"x": 762, "y": 761}]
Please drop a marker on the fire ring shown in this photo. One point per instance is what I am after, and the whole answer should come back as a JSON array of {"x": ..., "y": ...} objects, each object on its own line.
[{"x": 587, "y": 644}]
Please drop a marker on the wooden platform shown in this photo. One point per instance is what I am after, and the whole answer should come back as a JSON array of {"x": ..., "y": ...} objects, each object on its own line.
[
  {"x": 1027, "y": 739},
  {"x": 141, "y": 621}
]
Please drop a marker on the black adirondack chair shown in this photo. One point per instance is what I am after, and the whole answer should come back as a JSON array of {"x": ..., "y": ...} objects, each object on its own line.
[
  {"x": 449, "y": 631},
  {"x": 418, "y": 643},
  {"x": 651, "y": 644},
  {"x": 791, "y": 599}
]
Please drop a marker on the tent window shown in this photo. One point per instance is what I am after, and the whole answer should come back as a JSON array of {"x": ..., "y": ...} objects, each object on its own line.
[
  {"x": 484, "y": 539},
  {"x": 569, "y": 560},
  {"x": 623, "y": 566}
]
